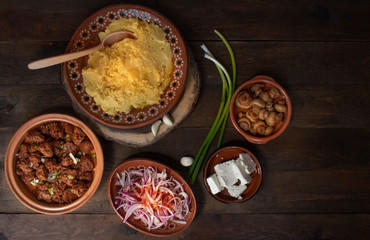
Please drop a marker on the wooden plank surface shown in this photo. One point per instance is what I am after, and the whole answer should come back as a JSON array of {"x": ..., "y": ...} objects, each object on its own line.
[
  {"x": 316, "y": 175},
  {"x": 251, "y": 226},
  {"x": 240, "y": 20}
]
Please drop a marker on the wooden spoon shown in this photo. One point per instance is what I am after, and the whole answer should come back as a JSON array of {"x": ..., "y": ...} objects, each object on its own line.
[{"x": 109, "y": 40}]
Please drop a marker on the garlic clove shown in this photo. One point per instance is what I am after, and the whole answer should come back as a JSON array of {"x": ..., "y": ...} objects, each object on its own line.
[
  {"x": 155, "y": 127},
  {"x": 167, "y": 120},
  {"x": 186, "y": 161}
]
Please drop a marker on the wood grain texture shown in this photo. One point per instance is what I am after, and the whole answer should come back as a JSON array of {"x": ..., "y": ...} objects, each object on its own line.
[
  {"x": 270, "y": 20},
  {"x": 251, "y": 226},
  {"x": 262, "y": 20}
]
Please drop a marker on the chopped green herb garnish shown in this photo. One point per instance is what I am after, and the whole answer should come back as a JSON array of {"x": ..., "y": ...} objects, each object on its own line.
[
  {"x": 94, "y": 155},
  {"x": 79, "y": 153},
  {"x": 57, "y": 152},
  {"x": 22, "y": 145},
  {"x": 60, "y": 146},
  {"x": 35, "y": 181},
  {"x": 65, "y": 148},
  {"x": 36, "y": 147},
  {"x": 48, "y": 126},
  {"x": 60, "y": 181},
  {"x": 67, "y": 136},
  {"x": 51, "y": 191},
  {"x": 72, "y": 191},
  {"x": 70, "y": 176}
]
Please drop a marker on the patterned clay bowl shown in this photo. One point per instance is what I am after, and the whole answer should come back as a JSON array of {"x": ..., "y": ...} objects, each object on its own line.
[
  {"x": 226, "y": 154},
  {"x": 279, "y": 127},
  {"x": 137, "y": 163},
  {"x": 86, "y": 36},
  {"x": 17, "y": 186}
]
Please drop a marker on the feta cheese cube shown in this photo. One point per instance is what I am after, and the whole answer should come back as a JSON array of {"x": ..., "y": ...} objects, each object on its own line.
[
  {"x": 236, "y": 190},
  {"x": 241, "y": 174},
  {"x": 225, "y": 173},
  {"x": 248, "y": 163},
  {"x": 214, "y": 184}
]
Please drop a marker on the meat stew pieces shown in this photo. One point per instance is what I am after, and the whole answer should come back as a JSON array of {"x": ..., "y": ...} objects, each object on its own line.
[{"x": 55, "y": 161}]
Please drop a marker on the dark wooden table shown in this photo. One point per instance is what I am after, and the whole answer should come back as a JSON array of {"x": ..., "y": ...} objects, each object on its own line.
[{"x": 316, "y": 175}]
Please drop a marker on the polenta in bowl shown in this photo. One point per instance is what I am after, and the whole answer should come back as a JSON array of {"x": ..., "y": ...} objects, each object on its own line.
[
  {"x": 132, "y": 73},
  {"x": 134, "y": 82}
]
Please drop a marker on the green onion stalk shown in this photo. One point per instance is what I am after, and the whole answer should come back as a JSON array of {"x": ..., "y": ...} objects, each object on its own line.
[{"x": 228, "y": 86}]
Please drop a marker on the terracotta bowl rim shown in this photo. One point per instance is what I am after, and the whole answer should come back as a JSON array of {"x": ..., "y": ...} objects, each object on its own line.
[
  {"x": 9, "y": 163},
  {"x": 286, "y": 121}
]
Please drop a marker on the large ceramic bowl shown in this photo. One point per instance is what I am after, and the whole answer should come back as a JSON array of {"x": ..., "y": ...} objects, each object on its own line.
[
  {"x": 17, "y": 186},
  {"x": 279, "y": 127},
  {"x": 86, "y": 36},
  {"x": 226, "y": 154},
  {"x": 138, "y": 163}
]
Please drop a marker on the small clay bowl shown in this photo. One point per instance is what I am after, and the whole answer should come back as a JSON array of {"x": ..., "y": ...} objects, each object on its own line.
[
  {"x": 17, "y": 186},
  {"x": 226, "y": 154},
  {"x": 138, "y": 163},
  {"x": 279, "y": 127}
]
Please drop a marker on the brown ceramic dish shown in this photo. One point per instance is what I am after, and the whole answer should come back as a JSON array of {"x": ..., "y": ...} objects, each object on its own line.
[
  {"x": 86, "y": 36},
  {"x": 18, "y": 187},
  {"x": 137, "y": 163},
  {"x": 279, "y": 127},
  {"x": 226, "y": 154}
]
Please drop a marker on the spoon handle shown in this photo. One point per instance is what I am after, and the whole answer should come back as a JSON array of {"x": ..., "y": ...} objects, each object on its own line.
[{"x": 50, "y": 61}]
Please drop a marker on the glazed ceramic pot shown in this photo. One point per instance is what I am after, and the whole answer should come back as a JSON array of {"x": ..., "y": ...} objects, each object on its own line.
[{"x": 22, "y": 193}]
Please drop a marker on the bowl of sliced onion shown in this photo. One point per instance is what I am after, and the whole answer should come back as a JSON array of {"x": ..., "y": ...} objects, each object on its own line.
[{"x": 151, "y": 197}]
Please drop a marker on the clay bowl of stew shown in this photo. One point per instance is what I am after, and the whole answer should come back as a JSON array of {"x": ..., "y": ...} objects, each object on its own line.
[
  {"x": 40, "y": 171},
  {"x": 279, "y": 126},
  {"x": 143, "y": 185}
]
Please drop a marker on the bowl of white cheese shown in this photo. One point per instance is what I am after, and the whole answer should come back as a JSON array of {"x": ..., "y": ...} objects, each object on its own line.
[{"x": 232, "y": 174}]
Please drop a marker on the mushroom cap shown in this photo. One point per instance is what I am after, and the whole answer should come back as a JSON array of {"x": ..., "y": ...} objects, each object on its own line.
[
  {"x": 271, "y": 119},
  {"x": 259, "y": 127},
  {"x": 279, "y": 117},
  {"x": 268, "y": 131},
  {"x": 257, "y": 86},
  {"x": 274, "y": 92},
  {"x": 263, "y": 114},
  {"x": 252, "y": 114},
  {"x": 243, "y": 100},
  {"x": 258, "y": 103},
  {"x": 244, "y": 123},
  {"x": 265, "y": 96},
  {"x": 280, "y": 108}
]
